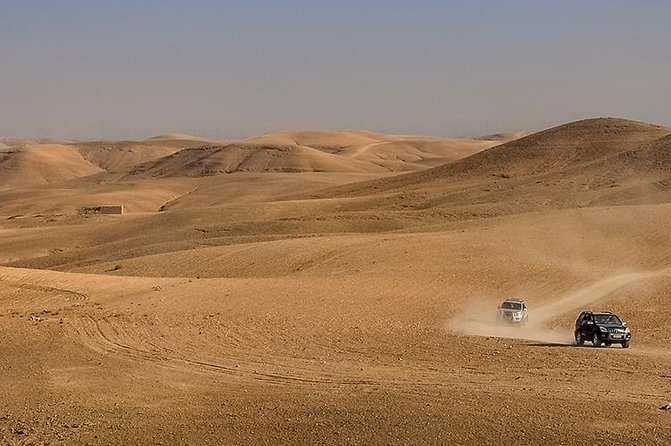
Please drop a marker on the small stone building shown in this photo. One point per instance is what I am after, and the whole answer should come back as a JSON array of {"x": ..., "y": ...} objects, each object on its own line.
[{"x": 116, "y": 209}]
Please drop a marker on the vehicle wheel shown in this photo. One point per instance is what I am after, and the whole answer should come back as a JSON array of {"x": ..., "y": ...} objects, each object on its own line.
[
  {"x": 625, "y": 344},
  {"x": 579, "y": 340},
  {"x": 607, "y": 344},
  {"x": 596, "y": 341}
]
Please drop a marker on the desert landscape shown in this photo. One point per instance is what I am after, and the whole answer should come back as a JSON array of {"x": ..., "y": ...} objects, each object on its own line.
[{"x": 340, "y": 287}]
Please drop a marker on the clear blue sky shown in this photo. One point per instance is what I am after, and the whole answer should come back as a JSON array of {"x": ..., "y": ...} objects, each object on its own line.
[{"x": 132, "y": 69}]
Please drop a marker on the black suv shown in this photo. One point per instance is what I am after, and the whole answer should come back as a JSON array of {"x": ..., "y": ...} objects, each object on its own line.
[{"x": 601, "y": 328}]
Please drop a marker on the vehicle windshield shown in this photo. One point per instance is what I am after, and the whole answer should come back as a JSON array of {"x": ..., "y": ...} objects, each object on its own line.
[
  {"x": 607, "y": 319},
  {"x": 511, "y": 306}
]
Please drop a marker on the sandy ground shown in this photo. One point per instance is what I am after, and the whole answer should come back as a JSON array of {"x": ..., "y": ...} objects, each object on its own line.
[{"x": 315, "y": 308}]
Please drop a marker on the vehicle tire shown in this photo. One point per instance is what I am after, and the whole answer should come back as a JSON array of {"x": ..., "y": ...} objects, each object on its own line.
[
  {"x": 625, "y": 344},
  {"x": 607, "y": 344},
  {"x": 579, "y": 340},
  {"x": 596, "y": 341}
]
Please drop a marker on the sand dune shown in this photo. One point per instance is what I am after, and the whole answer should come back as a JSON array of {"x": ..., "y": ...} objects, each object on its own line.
[
  {"x": 416, "y": 153},
  {"x": 560, "y": 147},
  {"x": 393, "y": 152},
  {"x": 301, "y": 151},
  {"x": 239, "y": 157},
  {"x": 124, "y": 155},
  {"x": 43, "y": 164},
  {"x": 578, "y": 164}
]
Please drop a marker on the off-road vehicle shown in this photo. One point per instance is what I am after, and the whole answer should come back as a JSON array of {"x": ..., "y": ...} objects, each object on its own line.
[
  {"x": 601, "y": 328},
  {"x": 513, "y": 311}
]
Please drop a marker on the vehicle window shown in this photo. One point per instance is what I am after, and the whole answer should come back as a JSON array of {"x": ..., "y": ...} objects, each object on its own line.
[
  {"x": 607, "y": 319},
  {"x": 511, "y": 306}
]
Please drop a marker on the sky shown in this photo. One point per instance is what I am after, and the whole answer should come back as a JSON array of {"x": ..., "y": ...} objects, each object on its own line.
[{"x": 221, "y": 69}]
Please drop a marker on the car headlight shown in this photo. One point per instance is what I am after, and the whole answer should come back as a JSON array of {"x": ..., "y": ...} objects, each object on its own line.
[
  {"x": 518, "y": 314},
  {"x": 603, "y": 329},
  {"x": 626, "y": 330}
]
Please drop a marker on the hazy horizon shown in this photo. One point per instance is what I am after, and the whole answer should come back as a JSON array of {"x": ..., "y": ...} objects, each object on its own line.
[{"x": 131, "y": 70}]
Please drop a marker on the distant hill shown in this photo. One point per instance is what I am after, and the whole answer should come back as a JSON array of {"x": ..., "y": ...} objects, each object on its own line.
[
  {"x": 504, "y": 137},
  {"x": 416, "y": 153},
  {"x": 594, "y": 161},
  {"x": 121, "y": 156},
  {"x": 559, "y": 147},
  {"x": 393, "y": 152},
  {"x": 175, "y": 155},
  {"x": 43, "y": 164},
  {"x": 25, "y": 164},
  {"x": 249, "y": 157}
]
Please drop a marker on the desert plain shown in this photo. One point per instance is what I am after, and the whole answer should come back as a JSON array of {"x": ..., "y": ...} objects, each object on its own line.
[{"x": 309, "y": 287}]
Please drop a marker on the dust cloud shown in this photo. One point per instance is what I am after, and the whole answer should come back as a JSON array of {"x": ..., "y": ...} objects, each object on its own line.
[{"x": 481, "y": 320}]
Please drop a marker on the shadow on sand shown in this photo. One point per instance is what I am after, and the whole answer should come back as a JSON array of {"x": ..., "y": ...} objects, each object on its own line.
[
  {"x": 556, "y": 344},
  {"x": 565, "y": 345}
]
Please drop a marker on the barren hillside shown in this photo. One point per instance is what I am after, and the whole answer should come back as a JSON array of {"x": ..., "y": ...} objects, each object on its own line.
[
  {"x": 297, "y": 289},
  {"x": 393, "y": 152},
  {"x": 43, "y": 164},
  {"x": 596, "y": 161},
  {"x": 245, "y": 157},
  {"x": 121, "y": 156}
]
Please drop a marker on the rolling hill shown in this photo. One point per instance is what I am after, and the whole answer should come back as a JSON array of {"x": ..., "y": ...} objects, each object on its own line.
[
  {"x": 26, "y": 165},
  {"x": 121, "y": 156},
  {"x": 249, "y": 157},
  {"x": 34, "y": 165},
  {"x": 393, "y": 152},
  {"x": 316, "y": 307},
  {"x": 595, "y": 161}
]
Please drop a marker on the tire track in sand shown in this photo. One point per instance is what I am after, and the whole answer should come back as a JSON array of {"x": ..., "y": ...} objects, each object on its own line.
[
  {"x": 135, "y": 341},
  {"x": 99, "y": 336}
]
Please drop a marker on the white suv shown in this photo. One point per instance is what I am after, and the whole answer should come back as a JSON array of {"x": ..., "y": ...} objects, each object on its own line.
[{"x": 513, "y": 311}]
